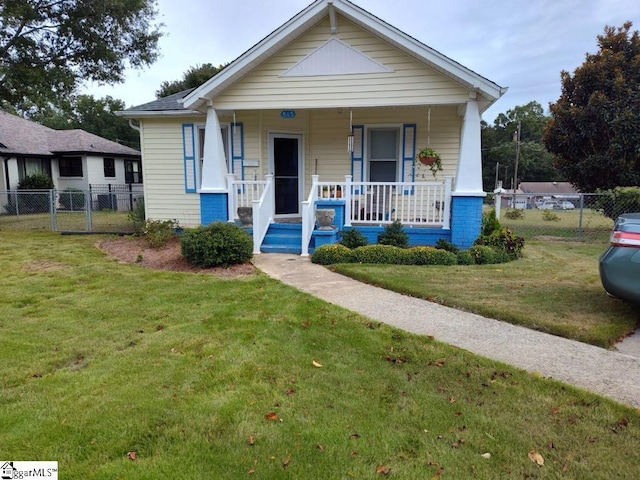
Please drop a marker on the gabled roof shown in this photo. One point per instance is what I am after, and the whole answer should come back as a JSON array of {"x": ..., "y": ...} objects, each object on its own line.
[
  {"x": 169, "y": 105},
  {"x": 556, "y": 188},
  {"x": 312, "y": 15},
  {"x": 19, "y": 136}
]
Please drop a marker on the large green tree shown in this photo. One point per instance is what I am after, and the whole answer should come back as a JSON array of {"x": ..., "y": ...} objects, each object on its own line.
[
  {"x": 594, "y": 130},
  {"x": 92, "y": 115},
  {"x": 49, "y": 47},
  {"x": 499, "y": 146},
  {"x": 192, "y": 78}
]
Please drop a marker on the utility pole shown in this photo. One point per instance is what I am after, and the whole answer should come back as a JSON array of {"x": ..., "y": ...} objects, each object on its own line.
[
  {"x": 516, "y": 138},
  {"x": 497, "y": 170}
]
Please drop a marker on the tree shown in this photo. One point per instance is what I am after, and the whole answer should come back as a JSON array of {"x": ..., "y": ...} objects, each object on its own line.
[
  {"x": 192, "y": 78},
  {"x": 94, "y": 116},
  {"x": 498, "y": 147},
  {"x": 594, "y": 130},
  {"x": 49, "y": 47}
]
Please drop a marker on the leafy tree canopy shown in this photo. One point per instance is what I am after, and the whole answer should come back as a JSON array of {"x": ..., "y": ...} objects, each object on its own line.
[
  {"x": 594, "y": 129},
  {"x": 499, "y": 147},
  {"x": 192, "y": 78},
  {"x": 49, "y": 47},
  {"x": 96, "y": 116}
]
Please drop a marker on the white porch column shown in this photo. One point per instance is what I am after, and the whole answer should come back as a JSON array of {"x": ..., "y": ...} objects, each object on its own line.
[
  {"x": 214, "y": 166},
  {"x": 469, "y": 174}
]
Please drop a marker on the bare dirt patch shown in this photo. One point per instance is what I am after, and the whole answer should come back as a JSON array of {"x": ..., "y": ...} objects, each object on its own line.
[{"x": 137, "y": 250}]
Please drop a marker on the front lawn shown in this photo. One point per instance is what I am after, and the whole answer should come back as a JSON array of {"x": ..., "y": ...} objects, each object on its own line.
[
  {"x": 555, "y": 288},
  {"x": 118, "y": 371}
]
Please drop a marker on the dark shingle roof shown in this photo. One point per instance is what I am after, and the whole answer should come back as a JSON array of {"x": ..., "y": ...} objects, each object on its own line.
[
  {"x": 168, "y": 103},
  {"x": 24, "y": 137}
]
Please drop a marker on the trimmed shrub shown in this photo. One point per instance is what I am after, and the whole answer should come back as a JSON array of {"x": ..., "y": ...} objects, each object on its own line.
[
  {"x": 394, "y": 235},
  {"x": 514, "y": 213},
  {"x": 484, "y": 254},
  {"x": 549, "y": 216},
  {"x": 158, "y": 232},
  {"x": 330, "y": 254},
  {"x": 352, "y": 238},
  {"x": 506, "y": 241},
  {"x": 217, "y": 244},
  {"x": 443, "y": 244},
  {"x": 465, "y": 258},
  {"x": 37, "y": 181},
  {"x": 490, "y": 223},
  {"x": 386, "y": 254},
  {"x": 71, "y": 199},
  {"x": 432, "y": 256}
]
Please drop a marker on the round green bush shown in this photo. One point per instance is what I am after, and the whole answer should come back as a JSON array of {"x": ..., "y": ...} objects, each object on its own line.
[
  {"x": 395, "y": 235},
  {"x": 465, "y": 258},
  {"x": 330, "y": 254},
  {"x": 484, "y": 255},
  {"x": 352, "y": 238},
  {"x": 385, "y": 254},
  {"x": 432, "y": 256},
  {"x": 217, "y": 244}
]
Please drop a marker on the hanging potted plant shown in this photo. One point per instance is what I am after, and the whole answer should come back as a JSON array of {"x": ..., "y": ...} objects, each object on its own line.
[{"x": 428, "y": 156}]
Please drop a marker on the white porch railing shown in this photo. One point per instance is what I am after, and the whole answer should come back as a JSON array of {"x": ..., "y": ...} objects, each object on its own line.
[
  {"x": 242, "y": 193},
  {"x": 258, "y": 195},
  {"x": 411, "y": 203},
  {"x": 309, "y": 215}
]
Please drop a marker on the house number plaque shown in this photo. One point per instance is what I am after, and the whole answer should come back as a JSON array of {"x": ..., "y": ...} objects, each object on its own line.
[{"x": 288, "y": 113}]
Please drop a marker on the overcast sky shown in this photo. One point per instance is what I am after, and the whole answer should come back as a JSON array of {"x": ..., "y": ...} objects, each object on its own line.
[{"x": 519, "y": 44}]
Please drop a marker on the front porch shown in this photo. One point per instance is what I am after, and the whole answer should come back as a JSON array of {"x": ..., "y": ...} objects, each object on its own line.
[{"x": 424, "y": 208}]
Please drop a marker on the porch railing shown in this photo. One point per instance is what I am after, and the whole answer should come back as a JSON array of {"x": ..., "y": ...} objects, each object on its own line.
[
  {"x": 263, "y": 212},
  {"x": 242, "y": 193},
  {"x": 308, "y": 215}
]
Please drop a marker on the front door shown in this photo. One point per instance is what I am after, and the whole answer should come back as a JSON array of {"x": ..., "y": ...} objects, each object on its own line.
[{"x": 286, "y": 173}]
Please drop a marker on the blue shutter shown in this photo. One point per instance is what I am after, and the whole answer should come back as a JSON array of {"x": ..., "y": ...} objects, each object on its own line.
[
  {"x": 189, "y": 152},
  {"x": 357, "y": 156},
  {"x": 408, "y": 153},
  {"x": 237, "y": 150}
]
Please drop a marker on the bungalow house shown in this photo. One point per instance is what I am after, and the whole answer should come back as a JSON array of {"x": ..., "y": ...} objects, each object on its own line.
[
  {"x": 74, "y": 159},
  {"x": 327, "y": 112}
]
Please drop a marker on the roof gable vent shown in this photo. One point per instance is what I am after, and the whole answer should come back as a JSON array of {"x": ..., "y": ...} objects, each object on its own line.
[{"x": 335, "y": 57}]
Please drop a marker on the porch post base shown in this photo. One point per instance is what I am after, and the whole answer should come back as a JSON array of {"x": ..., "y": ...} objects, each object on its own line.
[
  {"x": 466, "y": 220},
  {"x": 213, "y": 208}
]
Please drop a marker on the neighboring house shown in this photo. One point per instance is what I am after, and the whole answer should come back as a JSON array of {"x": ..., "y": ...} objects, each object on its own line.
[
  {"x": 327, "y": 111},
  {"x": 72, "y": 158}
]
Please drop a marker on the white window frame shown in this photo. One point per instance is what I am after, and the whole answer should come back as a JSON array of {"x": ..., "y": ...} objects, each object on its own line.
[{"x": 367, "y": 150}]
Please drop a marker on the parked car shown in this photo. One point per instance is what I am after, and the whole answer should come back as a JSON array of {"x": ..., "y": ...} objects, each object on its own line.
[
  {"x": 567, "y": 205},
  {"x": 620, "y": 263},
  {"x": 550, "y": 205}
]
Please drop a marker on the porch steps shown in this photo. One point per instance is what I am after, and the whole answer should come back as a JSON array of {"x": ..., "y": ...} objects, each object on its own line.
[{"x": 283, "y": 238}]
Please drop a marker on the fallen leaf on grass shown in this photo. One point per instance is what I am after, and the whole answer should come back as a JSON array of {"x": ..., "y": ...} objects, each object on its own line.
[
  {"x": 132, "y": 455},
  {"x": 251, "y": 440},
  {"x": 486, "y": 455},
  {"x": 320, "y": 447},
  {"x": 535, "y": 457},
  {"x": 286, "y": 462},
  {"x": 354, "y": 436},
  {"x": 316, "y": 364},
  {"x": 289, "y": 391},
  {"x": 383, "y": 469},
  {"x": 251, "y": 471},
  {"x": 271, "y": 416}
]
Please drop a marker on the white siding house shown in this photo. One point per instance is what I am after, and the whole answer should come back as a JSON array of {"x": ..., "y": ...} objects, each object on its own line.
[{"x": 328, "y": 111}]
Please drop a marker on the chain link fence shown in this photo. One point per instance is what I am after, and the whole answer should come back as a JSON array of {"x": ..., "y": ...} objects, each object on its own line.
[
  {"x": 102, "y": 208},
  {"x": 584, "y": 217}
]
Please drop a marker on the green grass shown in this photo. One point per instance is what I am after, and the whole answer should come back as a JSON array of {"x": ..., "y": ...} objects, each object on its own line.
[
  {"x": 100, "y": 359},
  {"x": 555, "y": 288},
  {"x": 101, "y": 221}
]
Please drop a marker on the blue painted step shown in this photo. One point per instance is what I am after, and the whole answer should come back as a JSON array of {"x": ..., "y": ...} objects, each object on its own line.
[{"x": 283, "y": 238}]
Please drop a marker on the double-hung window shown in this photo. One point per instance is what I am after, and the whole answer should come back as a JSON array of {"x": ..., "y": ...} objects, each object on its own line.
[
  {"x": 383, "y": 151},
  {"x": 70, "y": 166}
]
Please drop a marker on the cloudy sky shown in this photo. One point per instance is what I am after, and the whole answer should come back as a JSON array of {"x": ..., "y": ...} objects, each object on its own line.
[{"x": 519, "y": 44}]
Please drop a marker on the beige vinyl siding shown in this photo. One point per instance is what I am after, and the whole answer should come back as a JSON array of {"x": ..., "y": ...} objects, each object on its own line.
[
  {"x": 325, "y": 137},
  {"x": 410, "y": 82},
  {"x": 163, "y": 172}
]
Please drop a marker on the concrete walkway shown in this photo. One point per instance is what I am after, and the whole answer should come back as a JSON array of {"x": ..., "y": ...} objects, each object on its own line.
[{"x": 610, "y": 373}]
